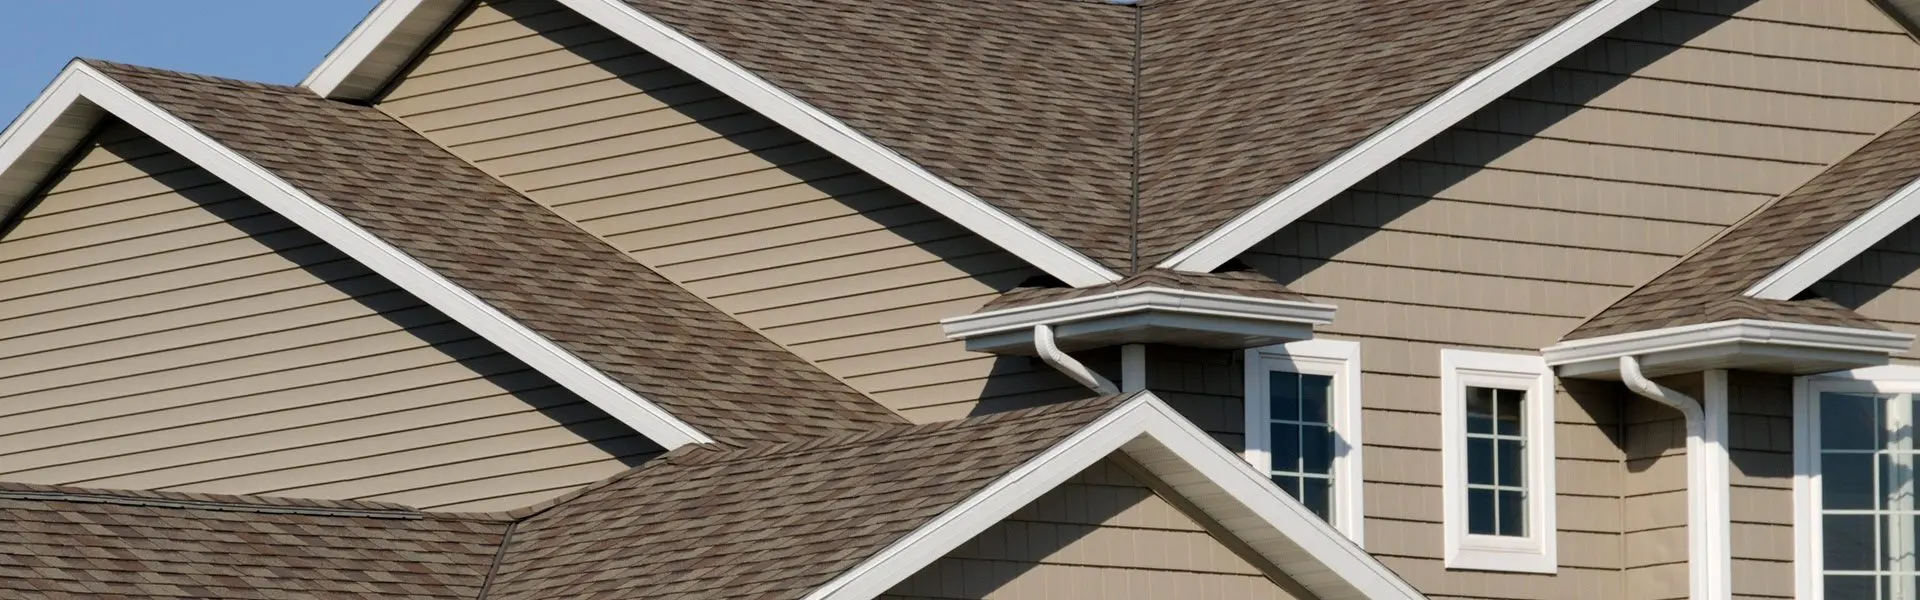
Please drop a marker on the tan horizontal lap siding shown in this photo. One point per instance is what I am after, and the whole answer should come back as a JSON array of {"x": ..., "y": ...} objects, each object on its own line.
[
  {"x": 160, "y": 330},
  {"x": 827, "y": 261},
  {"x": 1103, "y": 534},
  {"x": 1516, "y": 225}
]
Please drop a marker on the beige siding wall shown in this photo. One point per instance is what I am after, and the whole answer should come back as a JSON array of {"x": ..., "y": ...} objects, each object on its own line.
[
  {"x": 1513, "y": 227},
  {"x": 1103, "y": 535},
  {"x": 160, "y": 330},
  {"x": 829, "y": 262},
  {"x": 1760, "y": 445}
]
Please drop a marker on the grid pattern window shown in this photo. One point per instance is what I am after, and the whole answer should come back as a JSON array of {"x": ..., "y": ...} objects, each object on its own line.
[
  {"x": 1303, "y": 426},
  {"x": 1859, "y": 523},
  {"x": 1497, "y": 462}
]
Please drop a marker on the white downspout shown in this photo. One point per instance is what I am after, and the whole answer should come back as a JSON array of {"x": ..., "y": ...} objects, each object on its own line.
[
  {"x": 1067, "y": 365},
  {"x": 1708, "y": 552}
]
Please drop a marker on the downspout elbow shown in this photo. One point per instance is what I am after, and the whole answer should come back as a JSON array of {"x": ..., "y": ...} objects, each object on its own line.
[
  {"x": 1637, "y": 381},
  {"x": 1051, "y": 354}
]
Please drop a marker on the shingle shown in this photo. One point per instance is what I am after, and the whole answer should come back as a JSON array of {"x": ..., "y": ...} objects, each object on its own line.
[
  {"x": 1251, "y": 284},
  {"x": 642, "y": 330},
  {"x": 1703, "y": 284}
]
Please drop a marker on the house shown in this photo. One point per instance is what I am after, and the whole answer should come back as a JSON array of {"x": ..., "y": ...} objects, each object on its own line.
[{"x": 847, "y": 299}]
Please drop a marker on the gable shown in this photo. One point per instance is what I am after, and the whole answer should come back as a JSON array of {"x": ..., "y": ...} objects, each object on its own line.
[
  {"x": 161, "y": 330},
  {"x": 1102, "y": 534},
  {"x": 824, "y": 259}
]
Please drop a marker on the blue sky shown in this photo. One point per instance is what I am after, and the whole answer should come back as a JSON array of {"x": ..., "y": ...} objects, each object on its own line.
[{"x": 275, "y": 41}]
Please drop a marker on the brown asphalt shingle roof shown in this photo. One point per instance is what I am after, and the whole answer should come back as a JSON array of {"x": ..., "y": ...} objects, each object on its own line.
[
  {"x": 58, "y": 542},
  {"x": 1722, "y": 270},
  {"x": 1031, "y": 104},
  {"x": 1252, "y": 284},
  {"x": 694, "y": 361},
  {"x": 704, "y": 521}
]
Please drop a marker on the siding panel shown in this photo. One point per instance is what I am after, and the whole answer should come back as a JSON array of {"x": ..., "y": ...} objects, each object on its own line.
[
  {"x": 162, "y": 331},
  {"x": 845, "y": 271}
]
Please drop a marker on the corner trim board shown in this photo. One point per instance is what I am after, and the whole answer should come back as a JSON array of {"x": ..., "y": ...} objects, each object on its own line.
[
  {"x": 82, "y": 88},
  {"x": 351, "y": 61},
  {"x": 1402, "y": 136}
]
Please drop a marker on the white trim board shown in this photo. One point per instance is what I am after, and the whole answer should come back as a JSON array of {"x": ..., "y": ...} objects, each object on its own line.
[
  {"x": 82, "y": 93},
  {"x": 1340, "y": 360},
  {"x": 1403, "y": 136},
  {"x": 1537, "y": 551},
  {"x": 1227, "y": 489},
  {"x": 381, "y": 46},
  {"x": 1856, "y": 237}
]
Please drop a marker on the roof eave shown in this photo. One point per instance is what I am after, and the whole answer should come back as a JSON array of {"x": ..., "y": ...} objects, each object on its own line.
[
  {"x": 390, "y": 36},
  {"x": 1143, "y": 315},
  {"x": 1748, "y": 344},
  {"x": 83, "y": 95}
]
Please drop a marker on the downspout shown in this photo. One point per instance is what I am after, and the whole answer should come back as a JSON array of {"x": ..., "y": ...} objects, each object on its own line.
[
  {"x": 1067, "y": 365},
  {"x": 1708, "y": 555}
]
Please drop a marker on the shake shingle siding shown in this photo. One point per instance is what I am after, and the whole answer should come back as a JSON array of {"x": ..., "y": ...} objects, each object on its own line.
[
  {"x": 823, "y": 259},
  {"x": 161, "y": 330}
]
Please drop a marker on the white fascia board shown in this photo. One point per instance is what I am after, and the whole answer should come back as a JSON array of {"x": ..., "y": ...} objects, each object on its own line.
[
  {"x": 379, "y": 47},
  {"x": 1403, "y": 135},
  {"x": 39, "y": 140},
  {"x": 1125, "y": 302},
  {"x": 1736, "y": 332},
  {"x": 1841, "y": 246},
  {"x": 81, "y": 88},
  {"x": 370, "y": 44},
  {"x": 1158, "y": 437}
]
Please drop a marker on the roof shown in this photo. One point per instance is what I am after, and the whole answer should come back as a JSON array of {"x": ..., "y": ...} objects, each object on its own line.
[
  {"x": 645, "y": 332},
  {"x": 1714, "y": 278},
  {"x": 703, "y": 521},
  {"x": 1251, "y": 284},
  {"x": 58, "y": 542},
  {"x": 1034, "y": 106}
]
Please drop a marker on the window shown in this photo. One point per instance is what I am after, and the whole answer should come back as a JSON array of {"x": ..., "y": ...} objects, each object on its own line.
[
  {"x": 1497, "y": 450},
  {"x": 1857, "y": 524},
  {"x": 1303, "y": 426}
]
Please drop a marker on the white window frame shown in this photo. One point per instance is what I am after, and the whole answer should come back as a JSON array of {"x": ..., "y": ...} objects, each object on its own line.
[
  {"x": 1808, "y": 558},
  {"x": 1535, "y": 553},
  {"x": 1340, "y": 360}
]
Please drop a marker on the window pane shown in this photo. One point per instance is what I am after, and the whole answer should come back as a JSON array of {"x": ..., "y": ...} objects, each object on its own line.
[
  {"x": 1480, "y": 461},
  {"x": 1480, "y": 512},
  {"x": 1288, "y": 484},
  {"x": 1283, "y": 389},
  {"x": 1479, "y": 410},
  {"x": 1509, "y": 463},
  {"x": 1849, "y": 542},
  {"x": 1286, "y": 447},
  {"x": 1508, "y": 410},
  {"x": 1847, "y": 422},
  {"x": 1846, "y": 481},
  {"x": 1513, "y": 514},
  {"x": 1316, "y": 446},
  {"x": 1317, "y": 495},
  {"x": 1850, "y": 587},
  {"x": 1314, "y": 392}
]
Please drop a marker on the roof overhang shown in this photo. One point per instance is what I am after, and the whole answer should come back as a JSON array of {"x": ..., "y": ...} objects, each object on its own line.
[
  {"x": 1153, "y": 315},
  {"x": 1403, "y": 136},
  {"x": 1228, "y": 490},
  {"x": 60, "y": 121},
  {"x": 1746, "y": 344},
  {"x": 397, "y": 30}
]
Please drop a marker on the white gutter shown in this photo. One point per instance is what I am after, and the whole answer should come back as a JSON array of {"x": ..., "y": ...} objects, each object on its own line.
[
  {"x": 1136, "y": 301},
  {"x": 1068, "y": 365},
  {"x": 1708, "y": 539},
  {"x": 1711, "y": 345}
]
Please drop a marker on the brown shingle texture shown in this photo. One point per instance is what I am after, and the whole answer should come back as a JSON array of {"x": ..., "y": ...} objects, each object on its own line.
[
  {"x": 642, "y": 330},
  {"x": 1031, "y": 104},
  {"x": 77, "y": 543},
  {"x": 1251, "y": 284},
  {"x": 771, "y": 522},
  {"x": 1722, "y": 270},
  {"x": 1241, "y": 98},
  {"x": 1025, "y": 104},
  {"x": 704, "y": 521}
]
